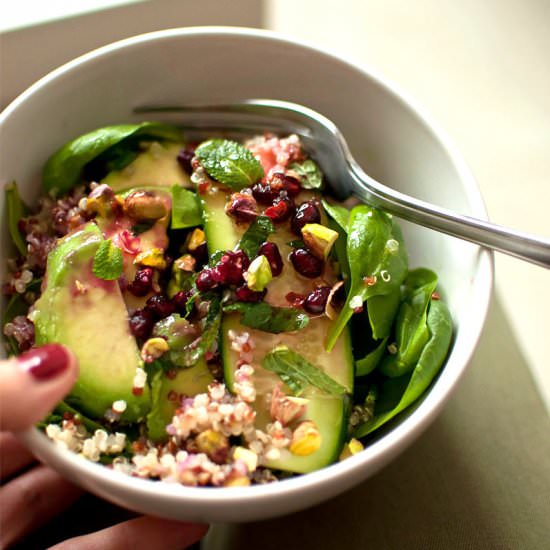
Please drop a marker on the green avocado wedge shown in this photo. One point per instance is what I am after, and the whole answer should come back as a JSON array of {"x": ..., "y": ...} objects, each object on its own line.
[
  {"x": 88, "y": 315},
  {"x": 329, "y": 412}
]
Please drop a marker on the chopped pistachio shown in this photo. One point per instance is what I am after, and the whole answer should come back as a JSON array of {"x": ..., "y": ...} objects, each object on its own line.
[
  {"x": 196, "y": 239},
  {"x": 319, "y": 239},
  {"x": 258, "y": 274},
  {"x": 153, "y": 349},
  {"x": 153, "y": 257},
  {"x": 352, "y": 447},
  {"x": 145, "y": 206},
  {"x": 214, "y": 444},
  {"x": 249, "y": 457},
  {"x": 306, "y": 439},
  {"x": 186, "y": 263}
]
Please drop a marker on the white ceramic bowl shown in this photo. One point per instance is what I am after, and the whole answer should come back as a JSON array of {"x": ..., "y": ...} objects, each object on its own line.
[{"x": 394, "y": 141}]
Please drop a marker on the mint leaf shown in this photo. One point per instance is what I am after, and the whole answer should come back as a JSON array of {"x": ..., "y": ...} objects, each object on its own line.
[
  {"x": 230, "y": 163},
  {"x": 268, "y": 318},
  {"x": 15, "y": 210},
  {"x": 255, "y": 235},
  {"x": 107, "y": 261},
  {"x": 310, "y": 175},
  {"x": 186, "y": 211},
  {"x": 298, "y": 373}
]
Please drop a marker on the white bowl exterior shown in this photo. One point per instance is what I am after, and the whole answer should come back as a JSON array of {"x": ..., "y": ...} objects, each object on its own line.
[{"x": 391, "y": 139}]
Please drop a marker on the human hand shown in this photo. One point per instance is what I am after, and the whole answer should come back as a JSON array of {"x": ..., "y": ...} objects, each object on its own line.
[{"x": 33, "y": 494}]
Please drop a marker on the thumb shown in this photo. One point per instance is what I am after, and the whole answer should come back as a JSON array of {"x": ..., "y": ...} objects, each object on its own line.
[{"x": 33, "y": 383}]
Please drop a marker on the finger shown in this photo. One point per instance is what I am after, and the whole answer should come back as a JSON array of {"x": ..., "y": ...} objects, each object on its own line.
[
  {"x": 33, "y": 383},
  {"x": 136, "y": 534},
  {"x": 13, "y": 456},
  {"x": 32, "y": 500}
]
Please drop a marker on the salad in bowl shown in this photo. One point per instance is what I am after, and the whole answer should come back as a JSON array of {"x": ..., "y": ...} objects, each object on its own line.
[{"x": 234, "y": 323}]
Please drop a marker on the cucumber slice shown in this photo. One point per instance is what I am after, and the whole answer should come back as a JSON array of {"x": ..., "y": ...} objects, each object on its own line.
[{"x": 329, "y": 413}]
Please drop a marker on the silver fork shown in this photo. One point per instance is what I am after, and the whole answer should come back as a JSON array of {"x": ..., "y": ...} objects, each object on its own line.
[{"x": 321, "y": 137}]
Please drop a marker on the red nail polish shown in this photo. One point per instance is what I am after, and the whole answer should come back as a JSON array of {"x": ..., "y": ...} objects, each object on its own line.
[{"x": 45, "y": 362}]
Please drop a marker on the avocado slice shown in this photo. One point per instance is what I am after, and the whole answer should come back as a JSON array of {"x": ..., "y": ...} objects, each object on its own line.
[
  {"x": 157, "y": 166},
  {"x": 88, "y": 315},
  {"x": 168, "y": 389},
  {"x": 328, "y": 412}
]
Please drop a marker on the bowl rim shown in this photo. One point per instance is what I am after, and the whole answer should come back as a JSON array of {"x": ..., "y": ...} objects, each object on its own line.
[{"x": 402, "y": 434}]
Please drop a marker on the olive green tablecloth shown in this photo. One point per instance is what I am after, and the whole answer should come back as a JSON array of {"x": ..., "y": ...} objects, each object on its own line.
[{"x": 479, "y": 477}]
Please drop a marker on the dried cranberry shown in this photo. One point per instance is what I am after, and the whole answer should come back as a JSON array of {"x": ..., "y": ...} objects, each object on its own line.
[
  {"x": 200, "y": 253},
  {"x": 307, "y": 212},
  {"x": 242, "y": 207},
  {"x": 141, "y": 323},
  {"x": 180, "y": 299},
  {"x": 282, "y": 209},
  {"x": 184, "y": 158},
  {"x": 264, "y": 193},
  {"x": 160, "y": 306},
  {"x": 305, "y": 263},
  {"x": 295, "y": 299},
  {"x": 284, "y": 182},
  {"x": 205, "y": 280},
  {"x": 244, "y": 294},
  {"x": 229, "y": 270},
  {"x": 142, "y": 283},
  {"x": 271, "y": 252},
  {"x": 316, "y": 301}
]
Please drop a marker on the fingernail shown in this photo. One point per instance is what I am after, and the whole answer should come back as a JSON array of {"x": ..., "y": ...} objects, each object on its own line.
[{"x": 45, "y": 362}]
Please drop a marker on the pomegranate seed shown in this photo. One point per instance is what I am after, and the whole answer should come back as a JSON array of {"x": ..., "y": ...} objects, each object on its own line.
[
  {"x": 142, "y": 283},
  {"x": 244, "y": 294},
  {"x": 307, "y": 212},
  {"x": 141, "y": 323},
  {"x": 264, "y": 193},
  {"x": 184, "y": 158},
  {"x": 229, "y": 270},
  {"x": 286, "y": 183},
  {"x": 271, "y": 252},
  {"x": 316, "y": 301},
  {"x": 203, "y": 187},
  {"x": 160, "y": 306},
  {"x": 205, "y": 280},
  {"x": 180, "y": 299},
  {"x": 305, "y": 263},
  {"x": 242, "y": 207},
  {"x": 137, "y": 392},
  {"x": 282, "y": 209},
  {"x": 295, "y": 299}
]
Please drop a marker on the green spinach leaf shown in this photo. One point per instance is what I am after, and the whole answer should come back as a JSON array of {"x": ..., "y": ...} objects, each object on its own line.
[
  {"x": 338, "y": 213},
  {"x": 230, "y": 163},
  {"x": 371, "y": 360},
  {"x": 255, "y": 235},
  {"x": 298, "y": 373},
  {"x": 263, "y": 316},
  {"x": 15, "y": 210},
  {"x": 411, "y": 328},
  {"x": 310, "y": 175},
  {"x": 186, "y": 209},
  {"x": 396, "y": 394},
  {"x": 377, "y": 264},
  {"x": 64, "y": 168}
]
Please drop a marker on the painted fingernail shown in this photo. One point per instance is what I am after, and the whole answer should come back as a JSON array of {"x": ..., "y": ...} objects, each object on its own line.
[{"x": 45, "y": 362}]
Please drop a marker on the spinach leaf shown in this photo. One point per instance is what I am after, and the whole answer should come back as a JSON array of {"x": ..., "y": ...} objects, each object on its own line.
[
  {"x": 338, "y": 213},
  {"x": 255, "y": 235},
  {"x": 268, "y": 318},
  {"x": 368, "y": 363},
  {"x": 15, "y": 210},
  {"x": 405, "y": 390},
  {"x": 298, "y": 373},
  {"x": 377, "y": 264},
  {"x": 411, "y": 329},
  {"x": 310, "y": 175},
  {"x": 186, "y": 209},
  {"x": 229, "y": 162},
  {"x": 64, "y": 168}
]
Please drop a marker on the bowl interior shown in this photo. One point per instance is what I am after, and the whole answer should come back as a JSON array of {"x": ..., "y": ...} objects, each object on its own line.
[{"x": 390, "y": 139}]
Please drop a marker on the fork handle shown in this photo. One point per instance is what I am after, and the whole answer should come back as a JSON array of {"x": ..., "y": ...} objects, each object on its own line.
[{"x": 515, "y": 243}]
